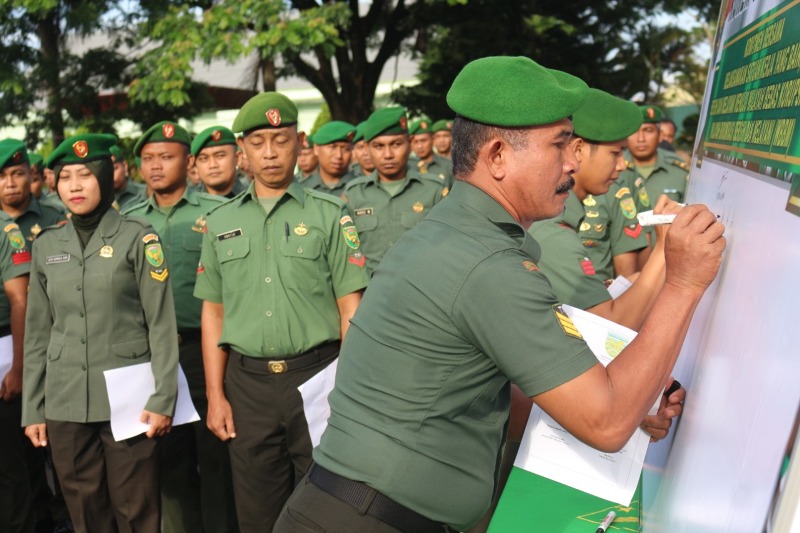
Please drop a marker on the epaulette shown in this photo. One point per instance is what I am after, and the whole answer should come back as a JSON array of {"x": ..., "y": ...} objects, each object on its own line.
[
  {"x": 325, "y": 196},
  {"x": 52, "y": 227},
  {"x": 139, "y": 220},
  {"x": 134, "y": 207},
  {"x": 680, "y": 163},
  {"x": 629, "y": 164},
  {"x": 356, "y": 182},
  {"x": 215, "y": 197}
]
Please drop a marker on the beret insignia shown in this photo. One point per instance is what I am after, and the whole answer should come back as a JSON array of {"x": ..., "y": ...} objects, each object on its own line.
[
  {"x": 404, "y": 123},
  {"x": 81, "y": 148},
  {"x": 274, "y": 117},
  {"x": 17, "y": 157},
  {"x": 216, "y": 135},
  {"x": 168, "y": 130}
]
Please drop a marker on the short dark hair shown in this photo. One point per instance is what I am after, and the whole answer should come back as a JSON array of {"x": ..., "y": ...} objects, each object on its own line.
[{"x": 469, "y": 136}]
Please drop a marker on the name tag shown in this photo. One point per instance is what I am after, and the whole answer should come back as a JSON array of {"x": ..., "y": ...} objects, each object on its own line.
[
  {"x": 363, "y": 212},
  {"x": 52, "y": 259},
  {"x": 229, "y": 234}
]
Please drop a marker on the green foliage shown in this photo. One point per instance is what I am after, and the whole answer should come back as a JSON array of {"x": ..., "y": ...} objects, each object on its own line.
[{"x": 611, "y": 45}]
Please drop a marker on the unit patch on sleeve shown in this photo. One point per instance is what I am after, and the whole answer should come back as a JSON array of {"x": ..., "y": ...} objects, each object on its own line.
[{"x": 351, "y": 237}]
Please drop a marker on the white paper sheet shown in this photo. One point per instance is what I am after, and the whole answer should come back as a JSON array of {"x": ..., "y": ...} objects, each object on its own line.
[
  {"x": 549, "y": 450},
  {"x": 619, "y": 286},
  {"x": 6, "y": 355},
  {"x": 129, "y": 388},
  {"x": 315, "y": 393}
]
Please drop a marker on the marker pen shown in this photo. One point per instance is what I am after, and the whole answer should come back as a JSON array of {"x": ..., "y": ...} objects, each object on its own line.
[{"x": 606, "y": 523}]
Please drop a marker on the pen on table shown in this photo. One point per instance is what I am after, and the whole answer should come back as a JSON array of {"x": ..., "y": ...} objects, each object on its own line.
[
  {"x": 286, "y": 227},
  {"x": 606, "y": 523}
]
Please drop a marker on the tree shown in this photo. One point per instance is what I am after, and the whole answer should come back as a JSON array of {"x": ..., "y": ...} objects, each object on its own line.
[
  {"x": 610, "y": 45},
  {"x": 339, "y": 46}
]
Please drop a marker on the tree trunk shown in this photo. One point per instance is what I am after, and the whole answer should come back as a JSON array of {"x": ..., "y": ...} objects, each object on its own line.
[
  {"x": 267, "y": 67},
  {"x": 50, "y": 39}
]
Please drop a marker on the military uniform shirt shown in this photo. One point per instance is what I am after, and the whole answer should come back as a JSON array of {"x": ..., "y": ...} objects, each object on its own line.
[
  {"x": 107, "y": 306},
  {"x": 132, "y": 194},
  {"x": 610, "y": 228},
  {"x": 15, "y": 261},
  {"x": 382, "y": 218},
  {"x": 181, "y": 230},
  {"x": 315, "y": 182},
  {"x": 422, "y": 389},
  {"x": 565, "y": 261},
  {"x": 670, "y": 176},
  {"x": 440, "y": 168},
  {"x": 37, "y": 216},
  {"x": 279, "y": 275}
]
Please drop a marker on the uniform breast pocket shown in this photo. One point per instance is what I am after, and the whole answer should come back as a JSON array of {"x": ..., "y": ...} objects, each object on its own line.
[
  {"x": 193, "y": 242},
  {"x": 366, "y": 223},
  {"x": 300, "y": 266},
  {"x": 409, "y": 219},
  {"x": 235, "y": 268}
]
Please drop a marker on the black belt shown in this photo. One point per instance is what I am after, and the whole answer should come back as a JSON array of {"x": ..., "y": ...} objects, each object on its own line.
[
  {"x": 289, "y": 363},
  {"x": 188, "y": 335},
  {"x": 5, "y": 331},
  {"x": 382, "y": 507}
]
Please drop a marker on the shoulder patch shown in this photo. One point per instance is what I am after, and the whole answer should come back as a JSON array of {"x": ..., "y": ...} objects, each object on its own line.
[
  {"x": 351, "y": 237},
  {"x": 622, "y": 192},
  {"x": 150, "y": 237},
  {"x": 330, "y": 198}
]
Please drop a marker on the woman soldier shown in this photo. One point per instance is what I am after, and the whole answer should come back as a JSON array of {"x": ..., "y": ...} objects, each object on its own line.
[{"x": 99, "y": 299}]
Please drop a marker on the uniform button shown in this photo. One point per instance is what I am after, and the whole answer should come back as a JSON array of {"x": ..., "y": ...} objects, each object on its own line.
[
  {"x": 268, "y": 279},
  {"x": 230, "y": 252},
  {"x": 269, "y": 221},
  {"x": 269, "y": 313},
  {"x": 133, "y": 354},
  {"x": 83, "y": 367},
  {"x": 80, "y": 263},
  {"x": 271, "y": 348},
  {"x": 83, "y": 341},
  {"x": 81, "y": 314},
  {"x": 300, "y": 250},
  {"x": 77, "y": 287},
  {"x": 269, "y": 247}
]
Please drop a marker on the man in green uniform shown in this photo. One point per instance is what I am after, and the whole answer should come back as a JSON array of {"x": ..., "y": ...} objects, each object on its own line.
[
  {"x": 15, "y": 259},
  {"x": 611, "y": 234},
  {"x": 126, "y": 191},
  {"x": 195, "y": 475},
  {"x": 443, "y": 137},
  {"x": 363, "y": 165},
  {"x": 281, "y": 274},
  {"x": 17, "y": 200},
  {"x": 306, "y": 160},
  {"x": 333, "y": 148},
  {"x": 214, "y": 150},
  {"x": 421, "y": 135},
  {"x": 601, "y": 127},
  {"x": 37, "y": 180},
  {"x": 394, "y": 198},
  {"x": 660, "y": 171},
  {"x": 422, "y": 391}
]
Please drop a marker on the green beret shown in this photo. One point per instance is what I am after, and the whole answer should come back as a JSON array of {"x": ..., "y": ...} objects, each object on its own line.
[
  {"x": 163, "y": 132},
  {"x": 35, "y": 160},
  {"x": 116, "y": 153},
  {"x": 308, "y": 142},
  {"x": 421, "y": 125},
  {"x": 386, "y": 121},
  {"x": 12, "y": 152},
  {"x": 213, "y": 136},
  {"x": 359, "y": 135},
  {"x": 651, "y": 114},
  {"x": 335, "y": 131},
  {"x": 443, "y": 125},
  {"x": 265, "y": 110},
  {"x": 605, "y": 118},
  {"x": 514, "y": 91},
  {"x": 80, "y": 149}
]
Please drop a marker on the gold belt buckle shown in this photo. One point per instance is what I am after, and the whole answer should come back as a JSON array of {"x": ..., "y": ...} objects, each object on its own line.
[{"x": 277, "y": 367}]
